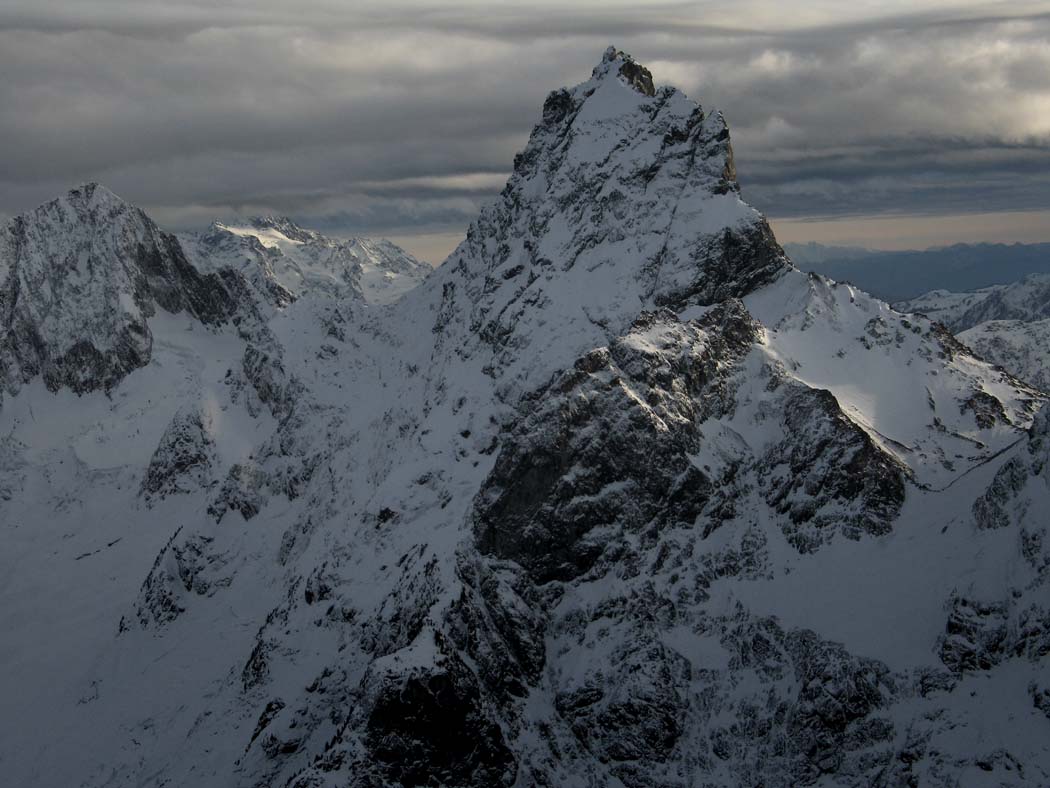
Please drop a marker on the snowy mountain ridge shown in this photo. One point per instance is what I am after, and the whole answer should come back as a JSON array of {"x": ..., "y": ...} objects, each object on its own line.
[
  {"x": 1026, "y": 300},
  {"x": 292, "y": 259},
  {"x": 1021, "y": 347},
  {"x": 614, "y": 496},
  {"x": 1006, "y": 324}
]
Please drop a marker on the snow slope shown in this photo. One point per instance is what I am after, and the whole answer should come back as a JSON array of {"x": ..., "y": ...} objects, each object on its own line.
[{"x": 615, "y": 496}]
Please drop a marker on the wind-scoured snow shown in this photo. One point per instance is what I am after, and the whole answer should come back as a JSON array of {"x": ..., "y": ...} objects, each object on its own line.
[{"x": 880, "y": 365}]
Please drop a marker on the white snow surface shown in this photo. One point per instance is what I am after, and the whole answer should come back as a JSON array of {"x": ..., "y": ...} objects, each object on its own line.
[{"x": 880, "y": 367}]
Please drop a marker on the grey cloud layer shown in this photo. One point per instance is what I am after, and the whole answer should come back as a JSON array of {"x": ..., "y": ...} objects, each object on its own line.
[{"x": 403, "y": 117}]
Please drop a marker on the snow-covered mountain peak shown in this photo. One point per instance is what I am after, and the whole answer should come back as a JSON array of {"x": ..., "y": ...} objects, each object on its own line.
[
  {"x": 79, "y": 277},
  {"x": 83, "y": 209},
  {"x": 623, "y": 199},
  {"x": 274, "y": 232},
  {"x": 91, "y": 194},
  {"x": 285, "y": 227}
]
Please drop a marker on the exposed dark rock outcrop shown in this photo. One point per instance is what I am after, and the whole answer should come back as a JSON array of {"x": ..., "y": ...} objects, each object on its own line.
[
  {"x": 186, "y": 565},
  {"x": 1005, "y": 498},
  {"x": 184, "y": 459},
  {"x": 499, "y": 620},
  {"x": 244, "y": 490},
  {"x": 604, "y": 449},
  {"x": 827, "y": 474},
  {"x": 975, "y": 636},
  {"x": 431, "y": 728},
  {"x": 633, "y": 713}
]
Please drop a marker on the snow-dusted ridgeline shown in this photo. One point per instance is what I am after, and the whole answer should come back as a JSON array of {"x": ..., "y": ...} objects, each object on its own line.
[
  {"x": 1008, "y": 325},
  {"x": 616, "y": 496},
  {"x": 1020, "y": 347},
  {"x": 273, "y": 251},
  {"x": 1026, "y": 300}
]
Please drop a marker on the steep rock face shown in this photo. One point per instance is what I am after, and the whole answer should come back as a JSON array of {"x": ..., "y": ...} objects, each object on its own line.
[
  {"x": 431, "y": 727},
  {"x": 632, "y": 714},
  {"x": 1019, "y": 489},
  {"x": 827, "y": 474},
  {"x": 500, "y": 621},
  {"x": 612, "y": 447},
  {"x": 182, "y": 568},
  {"x": 605, "y": 447},
  {"x": 614, "y": 497},
  {"x": 217, "y": 247},
  {"x": 79, "y": 277},
  {"x": 975, "y": 636},
  {"x": 985, "y": 633}
]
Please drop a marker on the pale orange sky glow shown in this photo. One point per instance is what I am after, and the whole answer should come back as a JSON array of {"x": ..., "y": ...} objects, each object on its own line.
[{"x": 873, "y": 232}]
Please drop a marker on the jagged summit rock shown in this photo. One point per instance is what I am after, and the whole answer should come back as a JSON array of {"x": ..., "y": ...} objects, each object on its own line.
[
  {"x": 82, "y": 275},
  {"x": 92, "y": 192},
  {"x": 283, "y": 225},
  {"x": 623, "y": 199},
  {"x": 623, "y": 65}
]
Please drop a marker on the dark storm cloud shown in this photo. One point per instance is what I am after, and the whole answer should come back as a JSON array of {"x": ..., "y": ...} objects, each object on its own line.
[
  {"x": 404, "y": 117},
  {"x": 917, "y": 177}
]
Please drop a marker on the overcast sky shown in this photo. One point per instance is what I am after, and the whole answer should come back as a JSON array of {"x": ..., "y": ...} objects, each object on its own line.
[{"x": 892, "y": 124}]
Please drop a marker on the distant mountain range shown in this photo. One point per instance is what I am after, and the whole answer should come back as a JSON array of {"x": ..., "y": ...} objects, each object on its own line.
[
  {"x": 285, "y": 261},
  {"x": 896, "y": 276}
]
